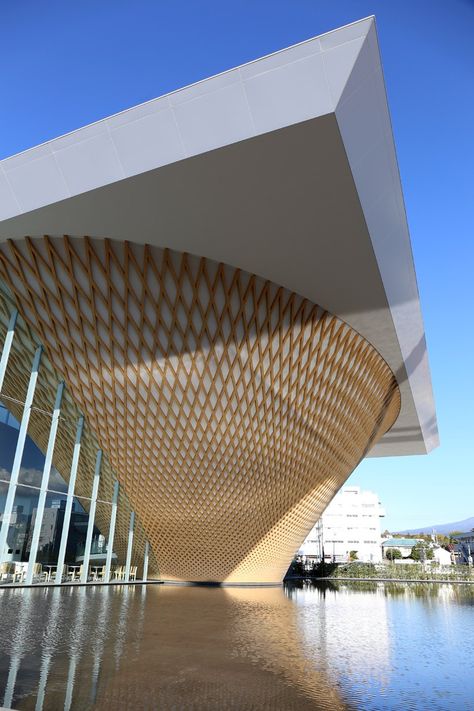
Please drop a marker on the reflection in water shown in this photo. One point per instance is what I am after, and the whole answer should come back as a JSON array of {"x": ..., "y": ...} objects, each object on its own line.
[
  {"x": 265, "y": 629},
  {"x": 75, "y": 645},
  {"x": 49, "y": 643},
  {"x": 99, "y": 642},
  {"x": 122, "y": 624},
  {"x": 361, "y": 646},
  {"x": 324, "y": 647},
  {"x": 18, "y": 646},
  {"x": 207, "y": 648}
]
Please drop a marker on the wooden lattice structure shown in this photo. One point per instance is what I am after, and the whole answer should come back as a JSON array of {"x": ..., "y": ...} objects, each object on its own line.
[{"x": 230, "y": 409}]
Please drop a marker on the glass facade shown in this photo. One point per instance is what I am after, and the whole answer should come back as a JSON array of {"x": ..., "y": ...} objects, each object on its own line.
[
  {"x": 59, "y": 499},
  {"x": 25, "y": 504}
]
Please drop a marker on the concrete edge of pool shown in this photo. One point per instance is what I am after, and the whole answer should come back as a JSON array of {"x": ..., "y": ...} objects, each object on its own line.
[
  {"x": 112, "y": 583},
  {"x": 174, "y": 583}
]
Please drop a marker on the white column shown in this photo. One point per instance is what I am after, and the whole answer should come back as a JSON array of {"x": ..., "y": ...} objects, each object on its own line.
[
  {"x": 145, "y": 562},
  {"x": 20, "y": 445},
  {"x": 90, "y": 525},
  {"x": 110, "y": 541},
  {"x": 44, "y": 485},
  {"x": 129, "y": 547},
  {"x": 7, "y": 346},
  {"x": 69, "y": 500}
]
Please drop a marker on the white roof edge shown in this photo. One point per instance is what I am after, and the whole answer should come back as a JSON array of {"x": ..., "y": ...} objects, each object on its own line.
[
  {"x": 323, "y": 86},
  {"x": 193, "y": 84},
  {"x": 364, "y": 121}
]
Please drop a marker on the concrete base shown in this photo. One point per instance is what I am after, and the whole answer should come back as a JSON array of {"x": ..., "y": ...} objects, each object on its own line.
[{"x": 210, "y": 584}]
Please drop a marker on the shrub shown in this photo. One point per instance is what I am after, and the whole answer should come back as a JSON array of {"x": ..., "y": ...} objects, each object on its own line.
[{"x": 421, "y": 551}]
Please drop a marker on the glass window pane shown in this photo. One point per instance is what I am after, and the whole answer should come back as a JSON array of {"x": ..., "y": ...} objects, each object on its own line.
[
  {"x": 17, "y": 376},
  {"x": 32, "y": 463},
  {"x": 51, "y": 528},
  {"x": 20, "y": 530},
  {"x": 77, "y": 533},
  {"x": 8, "y": 440},
  {"x": 6, "y": 418},
  {"x": 56, "y": 482}
]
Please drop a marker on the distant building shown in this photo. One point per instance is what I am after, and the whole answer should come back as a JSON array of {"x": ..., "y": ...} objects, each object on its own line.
[
  {"x": 351, "y": 522},
  {"x": 442, "y": 556},
  {"x": 464, "y": 547}
]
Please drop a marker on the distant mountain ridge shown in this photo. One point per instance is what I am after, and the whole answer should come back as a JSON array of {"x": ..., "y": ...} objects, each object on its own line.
[{"x": 445, "y": 528}]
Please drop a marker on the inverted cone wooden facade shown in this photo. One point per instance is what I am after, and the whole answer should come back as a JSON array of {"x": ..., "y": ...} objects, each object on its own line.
[{"x": 230, "y": 409}]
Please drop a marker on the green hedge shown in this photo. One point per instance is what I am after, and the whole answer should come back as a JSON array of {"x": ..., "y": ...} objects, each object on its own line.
[{"x": 399, "y": 572}]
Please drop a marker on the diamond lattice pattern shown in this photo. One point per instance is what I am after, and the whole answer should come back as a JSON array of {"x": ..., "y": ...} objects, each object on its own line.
[{"x": 231, "y": 409}]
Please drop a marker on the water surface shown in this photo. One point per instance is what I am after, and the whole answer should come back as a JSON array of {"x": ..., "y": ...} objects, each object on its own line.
[{"x": 368, "y": 647}]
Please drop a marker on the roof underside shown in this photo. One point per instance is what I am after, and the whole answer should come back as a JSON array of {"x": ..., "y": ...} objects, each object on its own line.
[{"x": 284, "y": 167}]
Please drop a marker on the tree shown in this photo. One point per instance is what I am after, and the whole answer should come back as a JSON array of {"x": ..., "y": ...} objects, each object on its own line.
[
  {"x": 421, "y": 551},
  {"x": 353, "y": 555},
  {"x": 392, "y": 554},
  {"x": 443, "y": 540}
]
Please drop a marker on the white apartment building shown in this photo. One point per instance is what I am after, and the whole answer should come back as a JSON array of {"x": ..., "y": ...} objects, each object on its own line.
[{"x": 351, "y": 522}]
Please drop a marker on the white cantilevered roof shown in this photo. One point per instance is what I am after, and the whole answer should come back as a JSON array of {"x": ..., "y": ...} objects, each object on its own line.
[{"x": 284, "y": 167}]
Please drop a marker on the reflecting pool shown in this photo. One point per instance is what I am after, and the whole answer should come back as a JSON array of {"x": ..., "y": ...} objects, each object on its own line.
[{"x": 370, "y": 646}]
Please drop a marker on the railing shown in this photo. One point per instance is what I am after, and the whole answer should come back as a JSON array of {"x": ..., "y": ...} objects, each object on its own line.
[{"x": 16, "y": 574}]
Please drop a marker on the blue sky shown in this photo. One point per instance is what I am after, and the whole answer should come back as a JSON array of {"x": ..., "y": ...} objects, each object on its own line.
[{"x": 67, "y": 64}]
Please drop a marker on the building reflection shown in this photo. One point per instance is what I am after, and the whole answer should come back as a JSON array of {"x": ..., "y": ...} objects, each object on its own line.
[
  {"x": 53, "y": 627},
  {"x": 20, "y": 644},
  {"x": 99, "y": 643},
  {"x": 268, "y": 629},
  {"x": 65, "y": 633},
  {"x": 347, "y": 629},
  {"x": 185, "y": 648},
  {"x": 161, "y": 648}
]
